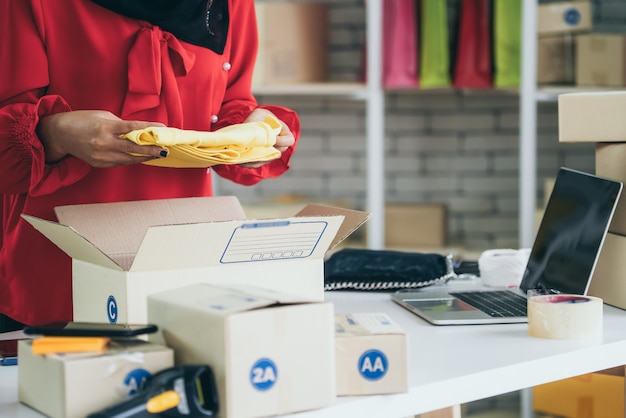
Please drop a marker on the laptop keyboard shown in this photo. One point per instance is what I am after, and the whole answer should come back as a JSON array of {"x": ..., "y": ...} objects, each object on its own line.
[{"x": 497, "y": 303}]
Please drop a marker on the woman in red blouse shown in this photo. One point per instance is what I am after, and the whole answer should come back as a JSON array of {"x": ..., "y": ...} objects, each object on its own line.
[{"x": 74, "y": 75}]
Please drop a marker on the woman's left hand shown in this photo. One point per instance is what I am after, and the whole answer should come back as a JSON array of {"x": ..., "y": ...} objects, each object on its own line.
[{"x": 284, "y": 139}]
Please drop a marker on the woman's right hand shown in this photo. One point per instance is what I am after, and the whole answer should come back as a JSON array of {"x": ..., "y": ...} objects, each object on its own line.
[{"x": 94, "y": 137}]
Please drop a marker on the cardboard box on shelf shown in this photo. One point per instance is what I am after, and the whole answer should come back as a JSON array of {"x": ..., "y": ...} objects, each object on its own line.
[
  {"x": 564, "y": 16},
  {"x": 371, "y": 355},
  {"x": 416, "y": 225},
  {"x": 555, "y": 59},
  {"x": 271, "y": 354},
  {"x": 595, "y": 395},
  {"x": 600, "y": 60},
  {"x": 610, "y": 163},
  {"x": 592, "y": 117},
  {"x": 293, "y": 42},
  {"x": 607, "y": 282},
  {"x": 78, "y": 384},
  {"x": 121, "y": 252}
]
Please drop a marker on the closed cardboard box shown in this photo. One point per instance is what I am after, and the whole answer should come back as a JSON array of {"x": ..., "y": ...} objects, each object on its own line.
[
  {"x": 600, "y": 60},
  {"x": 608, "y": 281},
  {"x": 595, "y": 395},
  {"x": 592, "y": 117},
  {"x": 415, "y": 225},
  {"x": 555, "y": 59},
  {"x": 75, "y": 385},
  {"x": 611, "y": 163},
  {"x": 122, "y": 252},
  {"x": 293, "y": 42},
  {"x": 271, "y": 353},
  {"x": 566, "y": 16},
  {"x": 371, "y": 355}
]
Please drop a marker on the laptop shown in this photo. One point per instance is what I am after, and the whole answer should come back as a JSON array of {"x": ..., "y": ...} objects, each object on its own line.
[{"x": 562, "y": 258}]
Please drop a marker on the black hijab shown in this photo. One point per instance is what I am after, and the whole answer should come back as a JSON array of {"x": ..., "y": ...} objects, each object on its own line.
[{"x": 199, "y": 22}]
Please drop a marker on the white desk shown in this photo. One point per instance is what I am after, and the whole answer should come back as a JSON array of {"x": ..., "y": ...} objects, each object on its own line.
[{"x": 447, "y": 365}]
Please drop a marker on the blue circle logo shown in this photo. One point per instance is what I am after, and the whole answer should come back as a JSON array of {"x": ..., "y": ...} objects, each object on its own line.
[
  {"x": 571, "y": 17},
  {"x": 136, "y": 381},
  {"x": 373, "y": 365},
  {"x": 263, "y": 374},
  {"x": 112, "y": 309}
]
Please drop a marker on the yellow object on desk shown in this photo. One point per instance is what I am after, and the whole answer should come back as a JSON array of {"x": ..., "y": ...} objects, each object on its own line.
[
  {"x": 50, "y": 345},
  {"x": 235, "y": 144}
]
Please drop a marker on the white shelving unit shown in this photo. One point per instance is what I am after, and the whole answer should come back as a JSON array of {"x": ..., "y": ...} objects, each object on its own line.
[{"x": 373, "y": 96}]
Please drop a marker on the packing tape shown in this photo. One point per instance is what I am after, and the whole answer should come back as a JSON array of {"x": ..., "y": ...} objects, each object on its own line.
[
  {"x": 564, "y": 317},
  {"x": 503, "y": 267}
]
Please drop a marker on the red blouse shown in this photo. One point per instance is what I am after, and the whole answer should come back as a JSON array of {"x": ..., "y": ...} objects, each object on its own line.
[{"x": 60, "y": 55}]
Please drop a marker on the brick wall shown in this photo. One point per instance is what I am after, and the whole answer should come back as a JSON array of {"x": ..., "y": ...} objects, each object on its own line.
[{"x": 460, "y": 148}]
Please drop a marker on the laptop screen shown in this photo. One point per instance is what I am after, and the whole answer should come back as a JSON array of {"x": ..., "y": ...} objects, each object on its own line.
[{"x": 571, "y": 233}]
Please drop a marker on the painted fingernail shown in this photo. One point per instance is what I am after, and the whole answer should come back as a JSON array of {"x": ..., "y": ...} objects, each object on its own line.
[{"x": 163, "y": 153}]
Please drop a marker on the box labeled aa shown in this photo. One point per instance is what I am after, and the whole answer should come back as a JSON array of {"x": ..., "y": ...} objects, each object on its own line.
[
  {"x": 74, "y": 385},
  {"x": 271, "y": 353},
  {"x": 371, "y": 355},
  {"x": 122, "y": 252}
]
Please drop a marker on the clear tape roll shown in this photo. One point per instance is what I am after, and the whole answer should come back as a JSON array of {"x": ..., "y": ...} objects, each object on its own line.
[{"x": 565, "y": 317}]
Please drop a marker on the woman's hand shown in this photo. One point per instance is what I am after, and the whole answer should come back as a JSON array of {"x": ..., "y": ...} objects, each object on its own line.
[
  {"x": 94, "y": 137},
  {"x": 284, "y": 140}
]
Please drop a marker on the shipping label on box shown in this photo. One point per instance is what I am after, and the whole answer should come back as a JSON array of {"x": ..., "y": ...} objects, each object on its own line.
[
  {"x": 371, "y": 355},
  {"x": 271, "y": 354},
  {"x": 600, "y": 60},
  {"x": 592, "y": 117},
  {"x": 566, "y": 16},
  {"x": 121, "y": 252},
  {"x": 78, "y": 384}
]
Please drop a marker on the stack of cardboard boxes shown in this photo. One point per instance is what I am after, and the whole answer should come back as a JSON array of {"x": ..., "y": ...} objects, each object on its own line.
[
  {"x": 242, "y": 296},
  {"x": 569, "y": 52},
  {"x": 558, "y": 25},
  {"x": 596, "y": 117}
]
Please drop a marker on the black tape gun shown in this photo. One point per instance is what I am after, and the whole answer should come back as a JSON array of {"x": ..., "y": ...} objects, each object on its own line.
[{"x": 182, "y": 391}]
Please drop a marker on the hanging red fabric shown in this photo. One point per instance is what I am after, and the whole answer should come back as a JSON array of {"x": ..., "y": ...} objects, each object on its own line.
[
  {"x": 473, "y": 68},
  {"x": 400, "y": 55}
]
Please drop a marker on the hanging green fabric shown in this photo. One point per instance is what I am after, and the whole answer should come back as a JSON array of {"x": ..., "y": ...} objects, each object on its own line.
[
  {"x": 435, "y": 48},
  {"x": 507, "y": 16}
]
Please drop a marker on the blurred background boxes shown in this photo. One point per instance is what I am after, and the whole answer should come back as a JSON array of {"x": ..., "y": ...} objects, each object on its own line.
[
  {"x": 564, "y": 17},
  {"x": 416, "y": 225},
  {"x": 600, "y": 60},
  {"x": 557, "y": 27},
  {"x": 293, "y": 42}
]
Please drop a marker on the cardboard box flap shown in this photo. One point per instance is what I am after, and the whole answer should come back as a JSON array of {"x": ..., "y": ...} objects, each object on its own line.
[
  {"x": 71, "y": 242},
  {"x": 232, "y": 242},
  {"x": 353, "y": 219},
  {"x": 268, "y": 294},
  {"x": 118, "y": 229}
]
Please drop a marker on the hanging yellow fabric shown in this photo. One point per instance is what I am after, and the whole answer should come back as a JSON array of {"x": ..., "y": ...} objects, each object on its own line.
[
  {"x": 235, "y": 144},
  {"x": 434, "y": 48},
  {"x": 507, "y": 42}
]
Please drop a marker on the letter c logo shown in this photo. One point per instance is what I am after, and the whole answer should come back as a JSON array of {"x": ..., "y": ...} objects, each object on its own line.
[{"x": 112, "y": 309}]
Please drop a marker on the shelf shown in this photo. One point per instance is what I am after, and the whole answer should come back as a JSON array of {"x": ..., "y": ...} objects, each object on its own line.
[
  {"x": 356, "y": 90},
  {"x": 551, "y": 93}
]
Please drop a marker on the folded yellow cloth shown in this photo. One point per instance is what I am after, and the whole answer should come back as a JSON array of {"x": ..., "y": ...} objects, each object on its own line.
[
  {"x": 235, "y": 144},
  {"x": 48, "y": 345}
]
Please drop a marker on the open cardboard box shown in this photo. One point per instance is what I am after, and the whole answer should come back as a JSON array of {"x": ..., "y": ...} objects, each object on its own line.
[{"x": 122, "y": 252}]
